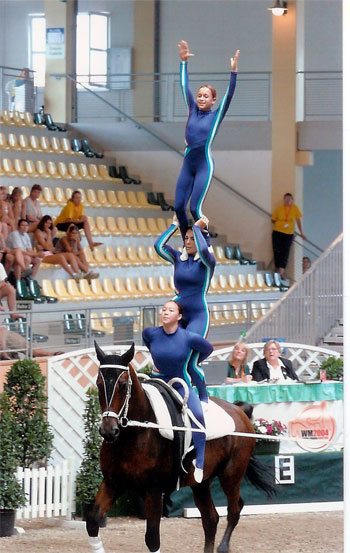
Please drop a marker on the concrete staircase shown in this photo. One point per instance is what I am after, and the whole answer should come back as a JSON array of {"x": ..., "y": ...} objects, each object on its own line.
[{"x": 335, "y": 338}]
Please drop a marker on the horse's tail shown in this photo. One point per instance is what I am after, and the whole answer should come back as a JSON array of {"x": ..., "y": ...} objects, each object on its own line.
[
  {"x": 259, "y": 475},
  {"x": 247, "y": 408}
]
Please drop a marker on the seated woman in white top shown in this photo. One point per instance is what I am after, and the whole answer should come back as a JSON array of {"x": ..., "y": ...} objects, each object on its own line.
[{"x": 273, "y": 367}]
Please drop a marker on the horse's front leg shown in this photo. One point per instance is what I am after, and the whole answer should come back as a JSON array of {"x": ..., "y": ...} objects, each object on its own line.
[
  {"x": 153, "y": 508},
  {"x": 105, "y": 498}
]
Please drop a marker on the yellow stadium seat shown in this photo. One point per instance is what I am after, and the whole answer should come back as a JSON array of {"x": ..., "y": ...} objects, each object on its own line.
[
  {"x": 60, "y": 196},
  {"x": 132, "y": 226},
  {"x": 122, "y": 199},
  {"x": 228, "y": 314},
  {"x": 142, "y": 200},
  {"x": 101, "y": 226},
  {"x": 7, "y": 119},
  {"x": 86, "y": 290},
  {"x": 47, "y": 290},
  {"x": 73, "y": 290},
  {"x": 142, "y": 288},
  {"x": 97, "y": 289},
  {"x": 132, "y": 256},
  {"x": 28, "y": 120},
  {"x": 45, "y": 145},
  {"x": 220, "y": 255},
  {"x": 94, "y": 230},
  {"x": 41, "y": 169},
  {"x": 30, "y": 169},
  {"x": 19, "y": 168},
  {"x": 25, "y": 191},
  {"x": 83, "y": 171},
  {"x": 3, "y": 142},
  {"x": 122, "y": 226},
  {"x": 91, "y": 197},
  {"x": 161, "y": 224},
  {"x": 102, "y": 198},
  {"x": 100, "y": 258},
  {"x": 93, "y": 171},
  {"x": 154, "y": 257},
  {"x": 13, "y": 142},
  {"x": 112, "y": 226},
  {"x": 121, "y": 256},
  {"x": 216, "y": 316},
  {"x": 112, "y": 198},
  {"x": 164, "y": 286},
  {"x": 234, "y": 287},
  {"x": 152, "y": 226},
  {"x": 52, "y": 170},
  {"x": 73, "y": 171},
  {"x": 154, "y": 288},
  {"x": 214, "y": 287},
  {"x": 47, "y": 196},
  {"x": 23, "y": 143},
  {"x": 66, "y": 147},
  {"x": 119, "y": 287},
  {"x": 89, "y": 257},
  {"x": 224, "y": 285},
  {"x": 34, "y": 143},
  {"x": 104, "y": 174},
  {"x": 142, "y": 255},
  {"x": 132, "y": 199},
  {"x": 110, "y": 257},
  {"x": 95, "y": 323},
  {"x": 109, "y": 289},
  {"x": 142, "y": 226},
  {"x": 18, "y": 119},
  {"x": 68, "y": 193},
  {"x": 8, "y": 168},
  {"x": 56, "y": 145},
  {"x": 107, "y": 322},
  {"x": 61, "y": 291},
  {"x": 260, "y": 282}
]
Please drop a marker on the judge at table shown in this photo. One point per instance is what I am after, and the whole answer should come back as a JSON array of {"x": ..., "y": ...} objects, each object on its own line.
[{"x": 273, "y": 368}]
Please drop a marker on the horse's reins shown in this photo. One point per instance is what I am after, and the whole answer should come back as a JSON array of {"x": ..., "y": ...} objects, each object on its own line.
[{"x": 122, "y": 419}]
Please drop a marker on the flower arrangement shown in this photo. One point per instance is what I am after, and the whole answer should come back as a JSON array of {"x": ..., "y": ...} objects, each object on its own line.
[{"x": 269, "y": 428}]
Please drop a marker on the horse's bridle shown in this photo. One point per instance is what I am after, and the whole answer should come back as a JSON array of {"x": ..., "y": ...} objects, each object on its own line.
[{"x": 122, "y": 419}]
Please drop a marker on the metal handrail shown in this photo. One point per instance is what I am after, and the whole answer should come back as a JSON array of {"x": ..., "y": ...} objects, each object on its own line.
[{"x": 311, "y": 306}]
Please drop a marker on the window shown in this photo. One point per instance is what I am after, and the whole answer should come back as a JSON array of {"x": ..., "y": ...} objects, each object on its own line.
[
  {"x": 92, "y": 38},
  {"x": 37, "y": 48},
  {"x": 92, "y": 47}
]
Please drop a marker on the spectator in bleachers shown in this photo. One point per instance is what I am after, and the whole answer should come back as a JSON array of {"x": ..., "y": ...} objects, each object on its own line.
[
  {"x": 7, "y": 257},
  {"x": 237, "y": 369},
  {"x": 17, "y": 204},
  {"x": 306, "y": 263},
  {"x": 73, "y": 212},
  {"x": 17, "y": 345},
  {"x": 6, "y": 213},
  {"x": 44, "y": 245},
  {"x": 7, "y": 291},
  {"x": 70, "y": 245},
  {"x": 32, "y": 209},
  {"x": 19, "y": 241}
]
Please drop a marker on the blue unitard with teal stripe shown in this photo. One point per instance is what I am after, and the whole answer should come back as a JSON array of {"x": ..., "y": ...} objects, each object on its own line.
[
  {"x": 198, "y": 166},
  {"x": 192, "y": 276},
  {"x": 171, "y": 354}
]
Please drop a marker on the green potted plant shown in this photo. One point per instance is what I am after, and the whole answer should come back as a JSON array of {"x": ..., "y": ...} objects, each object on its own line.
[
  {"x": 333, "y": 367},
  {"x": 11, "y": 493},
  {"x": 268, "y": 428},
  {"x": 89, "y": 476},
  {"x": 25, "y": 389}
]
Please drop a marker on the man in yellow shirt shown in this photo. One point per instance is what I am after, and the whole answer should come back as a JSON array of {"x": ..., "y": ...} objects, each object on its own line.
[
  {"x": 73, "y": 212},
  {"x": 284, "y": 218}
]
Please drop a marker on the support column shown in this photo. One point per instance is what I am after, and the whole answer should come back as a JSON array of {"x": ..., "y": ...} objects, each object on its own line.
[
  {"x": 143, "y": 58},
  {"x": 59, "y": 99},
  {"x": 286, "y": 176}
]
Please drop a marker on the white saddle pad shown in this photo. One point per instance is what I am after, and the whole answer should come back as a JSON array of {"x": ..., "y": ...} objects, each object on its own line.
[{"x": 218, "y": 423}]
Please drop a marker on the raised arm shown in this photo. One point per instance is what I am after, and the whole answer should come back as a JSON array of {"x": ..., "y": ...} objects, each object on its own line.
[
  {"x": 226, "y": 101},
  {"x": 184, "y": 53},
  {"x": 162, "y": 248}
]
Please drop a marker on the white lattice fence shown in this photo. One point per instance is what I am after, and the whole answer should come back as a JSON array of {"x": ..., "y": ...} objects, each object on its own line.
[
  {"x": 49, "y": 491},
  {"x": 70, "y": 375}
]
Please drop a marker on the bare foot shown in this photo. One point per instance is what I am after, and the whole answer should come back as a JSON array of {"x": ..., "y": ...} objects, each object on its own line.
[{"x": 94, "y": 245}]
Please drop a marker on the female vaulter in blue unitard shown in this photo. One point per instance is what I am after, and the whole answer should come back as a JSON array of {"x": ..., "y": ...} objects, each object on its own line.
[
  {"x": 202, "y": 126},
  {"x": 193, "y": 269},
  {"x": 171, "y": 348}
]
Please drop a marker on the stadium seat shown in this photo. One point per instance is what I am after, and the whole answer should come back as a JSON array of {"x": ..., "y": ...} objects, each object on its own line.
[
  {"x": 41, "y": 169},
  {"x": 61, "y": 292},
  {"x": 132, "y": 290},
  {"x": 119, "y": 287},
  {"x": 261, "y": 283},
  {"x": 24, "y": 143},
  {"x": 73, "y": 290},
  {"x": 84, "y": 172},
  {"x": 66, "y": 147},
  {"x": 220, "y": 255},
  {"x": 47, "y": 197},
  {"x": 144, "y": 289},
  {"x": 109, "y": 289},
  {"x": 87, "y": 292},
  {"x": 122, "y": 199},
  {"x": 7, "y": 119},
  {"x": 102, "y": 198},
  {"x": 94, "y": 230},
  {"x": 73, "y": 171},
  {"x": 132, "y": 226},
  {"x": 60, "y": 196},
  {"x": 30, "y": 169},
  {"x": 45, "y": 145},
  {"x": 19, "y": 168},
  {"x": 152, "y": 226},
  {"x": 47, "y": 290},
  {"x": 3, "y": 142},
  {"x": 112, "y": 198},
  {"x": 154, "y": 257},
  {"x": 100, "y": 258},
  {"x": 18, "y": 119},
  {"x": 164, "y": 286},
  {"x": 89, "y": 257},
  {"x": 52, "y": 170},
  {"x": 143, "y": 227},
  {"x": 143, "y": 202},
  {"x": 161, "y": 224},
  {"x": 270, "y": 283},
  {"x": 104, "y": 174},
  {"x": 93, "y": 172},
  {"x": 110, "y": 257},
  {"x": 112, "y": 226},
  {"x": 55, "y": 145},
  {"x": 107, "y": 322},
  {"x": 223, "y": 284},
  {"x": 12, "y": 142},
  {"x": 217, "y": 316},
  {"x": 214, "y": 287},
  {"x": 63, "y": 170},
  {"x": 132, "y": 199},
  {"x": 122, "y": 226},
  {"x": 101, "y": 226},
  {"x": 96, "y": 325},
  {"x": 142, "y": 255},
  {"x": 97, "y": 289},
  {"x": 123, "y": 260},
  {"x": 132, "y": 256},
  {"x": 8, "y": 168},
  {"x": 28, "y": 120}
]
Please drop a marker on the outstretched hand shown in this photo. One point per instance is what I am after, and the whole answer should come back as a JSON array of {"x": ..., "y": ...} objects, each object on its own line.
[
  {"x": 184, "y": 51},
  {"x": 234, "y": 61},
  {"x": 203, "y": 222}
]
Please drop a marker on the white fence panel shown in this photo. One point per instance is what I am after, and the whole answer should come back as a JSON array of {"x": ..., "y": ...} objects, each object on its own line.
[{"x": 49, "y": 491}]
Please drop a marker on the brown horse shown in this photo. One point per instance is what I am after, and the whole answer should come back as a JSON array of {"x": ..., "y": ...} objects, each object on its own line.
[{"x": 140, "y": 459}]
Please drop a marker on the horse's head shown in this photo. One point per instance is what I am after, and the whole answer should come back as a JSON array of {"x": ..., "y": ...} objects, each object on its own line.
[{"x": 114, "y": 389}]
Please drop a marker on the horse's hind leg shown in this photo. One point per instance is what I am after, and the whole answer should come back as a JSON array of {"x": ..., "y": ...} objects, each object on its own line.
[
  {"x": 235, "y": 503},
  {"x": 210, "y": 517},
  {"x": 153, "y": 508},
  {"x": 103, "y": 502}
]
